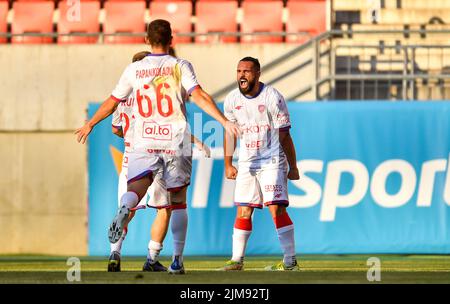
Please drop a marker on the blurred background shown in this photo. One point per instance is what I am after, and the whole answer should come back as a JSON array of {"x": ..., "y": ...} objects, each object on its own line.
[{"x": 366, "y": 81}]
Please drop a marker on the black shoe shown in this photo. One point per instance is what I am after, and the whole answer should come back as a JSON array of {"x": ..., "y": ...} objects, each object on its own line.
[
  {"x": 155, "y": 266},
  {"x": 114, "y": 262}
]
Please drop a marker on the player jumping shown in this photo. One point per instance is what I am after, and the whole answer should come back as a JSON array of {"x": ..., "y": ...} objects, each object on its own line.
[{"x": 161, "y": 136}]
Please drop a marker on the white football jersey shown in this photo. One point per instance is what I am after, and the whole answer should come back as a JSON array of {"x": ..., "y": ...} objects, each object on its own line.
[
  {"x": 260, "y": 119},
  {"x": 159, "y": 110},
  {"x": 123, "y": 118}
]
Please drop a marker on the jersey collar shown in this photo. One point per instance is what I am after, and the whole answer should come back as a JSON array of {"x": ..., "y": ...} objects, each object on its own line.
[
  {"x": 261, "y": 87},
  {"x": 164, "y": 54}
]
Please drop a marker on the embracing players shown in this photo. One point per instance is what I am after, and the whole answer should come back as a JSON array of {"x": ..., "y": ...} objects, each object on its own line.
[{"x": 161, "y": 139}]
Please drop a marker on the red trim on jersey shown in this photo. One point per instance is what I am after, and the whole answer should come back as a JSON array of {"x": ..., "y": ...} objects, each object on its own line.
[
  {"x": 176, "y": 189},
  {"x": 282, "y": 202},
  {"x": 117, "y": 99},
  {"x": 159, "y": 207},
  {"x": 243, "y": 224},
  {"x": 138, "y": 207},
  {"x": 140, "y": 176},
  {"x": 178, "y": 206},
  {"x": 127, "y": 144},
  {"x": 282, "y": 220},
  {"x": 193, "y": 89},
  {"x": 259, "y": 206}
]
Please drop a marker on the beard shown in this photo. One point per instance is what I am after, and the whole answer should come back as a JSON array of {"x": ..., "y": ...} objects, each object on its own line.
[{"x": 249, "y": 88}]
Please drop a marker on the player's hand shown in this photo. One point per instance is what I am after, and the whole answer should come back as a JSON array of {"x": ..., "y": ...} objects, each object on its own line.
[
  {"x": 202, "y": 147},
  {"x": 206, "y": 150},
  {"x": 231, "y": 172},
  {"x": 232, "y": 129},
  {"x": 83, "y": 132},
  {"x": 293, "y": 174}
]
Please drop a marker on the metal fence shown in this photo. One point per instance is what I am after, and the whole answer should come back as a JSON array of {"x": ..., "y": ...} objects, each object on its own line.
[{"x": 371, "y": 65}]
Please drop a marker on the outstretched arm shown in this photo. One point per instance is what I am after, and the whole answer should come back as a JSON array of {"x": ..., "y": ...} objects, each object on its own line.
[
  {"x": 201, "y": 146},
  {"x": 207, "y": 104},
  {"x": 106, "y": 109}
]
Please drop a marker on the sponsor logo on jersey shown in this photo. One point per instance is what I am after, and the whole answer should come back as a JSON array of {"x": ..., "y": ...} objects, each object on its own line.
[
  {"x": 157, "y": 132},
  {"x": 283, "y": 119},
  {"x": 256, "y": 129},
  {"x": 273, "y": 188},
  {"x": 238, "y": 107},
  {"x": 277, "y": 195}
]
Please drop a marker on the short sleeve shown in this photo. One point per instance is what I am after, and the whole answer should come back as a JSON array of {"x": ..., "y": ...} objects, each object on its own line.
[
  {"x": 188, "y": 78},
  {"x": 279, "y": 112},
  {"x": 228, "y": 109},
  {"x": 124, "y": 87},
  {"x": 117, "y": 119}
]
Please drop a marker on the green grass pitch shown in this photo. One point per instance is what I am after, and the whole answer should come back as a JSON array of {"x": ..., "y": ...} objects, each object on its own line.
[{"x": 199, "y": 270}]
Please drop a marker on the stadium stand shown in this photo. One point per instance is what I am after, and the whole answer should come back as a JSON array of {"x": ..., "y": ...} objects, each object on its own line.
[
  {"x": 3, "y": 20},
  {"x": 178, "y": 13},
  {"x": 215, "y": 16},
  {"x": 253, "y": 12},
  {"x": 305, "y": 16},
  {"x": 88, "y": 22},
  {"x": 192, "y": 17},
  {"x": 32, "y": 18},
  {"x": 124, "y": 17}
]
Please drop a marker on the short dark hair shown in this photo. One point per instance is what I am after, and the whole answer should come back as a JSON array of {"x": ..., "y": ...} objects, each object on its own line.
[
  {"x": 140, "y": 56},
  {"x": 159, "y": 32},
  {"x": 254, "y": 60}
]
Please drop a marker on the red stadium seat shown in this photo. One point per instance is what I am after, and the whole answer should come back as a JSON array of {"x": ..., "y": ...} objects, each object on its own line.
[
  {"x": 178, "y": 13},
  {"x": 124, "y": 17},
  {"x": 88, "y": 23},
  {"x": 3, "y": 21},
  {"x": 32, "y": 17},
  {"x": 262, "y": 16},
  {"x": 216, "y": 17},
  {"x": 309, "y": 16}
]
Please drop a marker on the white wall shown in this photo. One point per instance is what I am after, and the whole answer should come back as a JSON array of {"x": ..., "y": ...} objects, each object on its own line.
[{"x": 48, "y": 87}]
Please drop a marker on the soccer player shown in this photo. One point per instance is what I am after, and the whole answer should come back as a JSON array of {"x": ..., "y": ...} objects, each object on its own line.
[
  {"x": 122, "y": 122},
  {"x": 266, "y": 160},
  {"x": 122, "y": 126},
  {"x": 161, "y": 139}
]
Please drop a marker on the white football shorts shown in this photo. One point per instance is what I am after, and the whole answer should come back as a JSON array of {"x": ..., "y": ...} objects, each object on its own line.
[
  {"x": 175, "y": 170},
  {"x": 156, "y": 196},
  {"x": 258, "y": 187}
]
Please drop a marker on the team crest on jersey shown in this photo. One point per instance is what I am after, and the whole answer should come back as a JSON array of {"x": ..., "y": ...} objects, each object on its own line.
[
  {"x": 261, "y": 108},
  {"x": 238, "y": 107}
]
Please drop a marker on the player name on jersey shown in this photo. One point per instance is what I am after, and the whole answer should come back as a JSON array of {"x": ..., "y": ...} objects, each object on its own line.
[{"x": 147, "y": 73}]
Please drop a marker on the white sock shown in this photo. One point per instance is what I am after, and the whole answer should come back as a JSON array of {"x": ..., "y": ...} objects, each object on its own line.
[
  {"x": 154, "y": 248},
  {"x": 129, "y": 199},
  {"x": 287, "y": 242},
  {"x": 178, "y": 224},
  {"x": 118, "y": 245},
  {"x": 240, "y": 238}
]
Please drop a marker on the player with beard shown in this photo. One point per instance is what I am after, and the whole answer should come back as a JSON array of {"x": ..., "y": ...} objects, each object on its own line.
[{"x": 266, "y": 161}]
